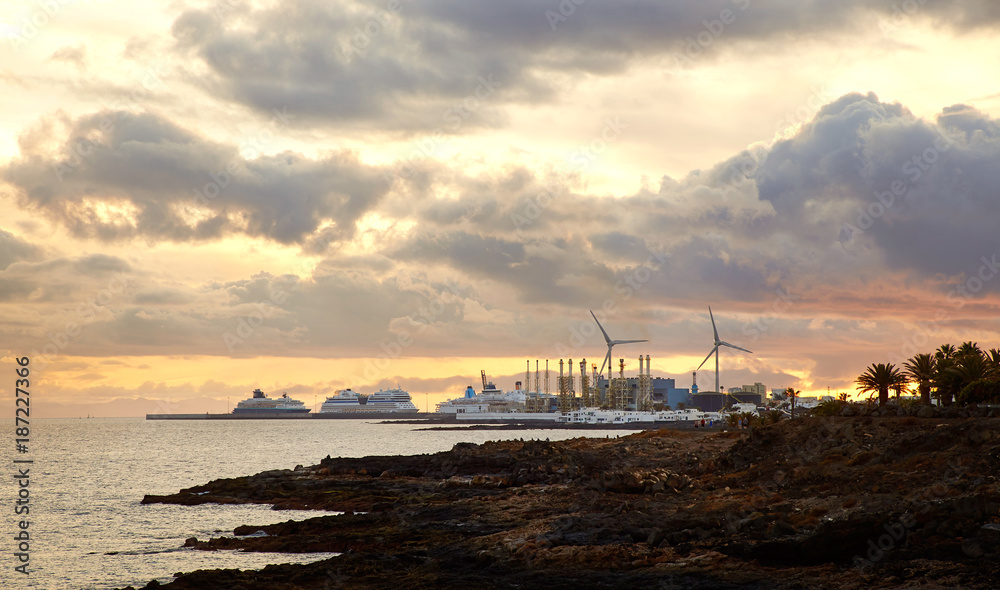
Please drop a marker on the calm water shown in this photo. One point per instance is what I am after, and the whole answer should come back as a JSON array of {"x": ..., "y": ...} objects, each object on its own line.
[{"x": 88, "y": 529}]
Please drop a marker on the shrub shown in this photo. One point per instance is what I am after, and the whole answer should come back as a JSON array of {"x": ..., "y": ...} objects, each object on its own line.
[
  {"x": 772, "y": 417},
  {"x": 829, "y": 408},
  {"x": 980, "y": 391}
]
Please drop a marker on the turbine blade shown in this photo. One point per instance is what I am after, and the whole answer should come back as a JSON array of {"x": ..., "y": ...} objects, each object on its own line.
[
  {"x": 714, "y": 331},
  {"x": 606, "y": 337},
  {"x": 627, "y": 341},
  {"x": 707, "y": 357},
  {"x": 607, "y": 360},
  {"x": 734, "y": 346}
]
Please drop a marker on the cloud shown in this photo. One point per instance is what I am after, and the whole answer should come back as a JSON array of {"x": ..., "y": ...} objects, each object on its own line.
[
  {"x": 14, "y": 249},
  {"x": 919, "y": 194},
  {"x": 61, "y": 280},
  {"x": 115, "y": 176},
  {"x": 75, "y": 55},
  {"x": 444, "y": 264},
  {"x": 452, "y": 65}
]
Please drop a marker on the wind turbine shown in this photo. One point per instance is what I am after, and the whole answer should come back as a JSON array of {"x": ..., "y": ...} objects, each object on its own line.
[
  {"x": 715, "y": 350},
  {"x": 611, "y": 344}
]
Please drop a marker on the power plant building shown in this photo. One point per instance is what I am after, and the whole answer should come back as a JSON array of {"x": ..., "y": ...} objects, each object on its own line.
[{"x": 664, "y": 390}]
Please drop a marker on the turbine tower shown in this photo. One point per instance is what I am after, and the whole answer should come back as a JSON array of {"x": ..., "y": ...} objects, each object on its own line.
[
  {"x": 611, "y": 344},
  {"x": 715, "y": 349}
]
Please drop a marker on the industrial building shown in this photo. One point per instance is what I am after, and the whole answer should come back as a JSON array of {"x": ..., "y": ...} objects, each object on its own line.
[
  {"x": 712, "y": 401},
  {"x": 664, "y": 390},
  {"x": 758, "y": 388}
]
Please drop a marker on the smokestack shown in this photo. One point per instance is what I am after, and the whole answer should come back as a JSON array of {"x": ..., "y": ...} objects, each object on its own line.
[
  {"x": 569, "y": 386},
  {"x": 537, "y": 385}
]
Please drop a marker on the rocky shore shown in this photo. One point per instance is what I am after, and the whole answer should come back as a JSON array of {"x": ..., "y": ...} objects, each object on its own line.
[{"x": 844, "y": 502}]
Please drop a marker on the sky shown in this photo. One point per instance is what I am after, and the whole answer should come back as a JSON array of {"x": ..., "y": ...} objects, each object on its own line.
[{"x": 203, "y": 198}]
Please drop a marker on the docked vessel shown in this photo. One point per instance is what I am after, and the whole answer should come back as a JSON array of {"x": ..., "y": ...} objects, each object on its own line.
[
  {"x": 383, "y": 401},
  {"x": 490, "y": 400},
  {"x": 261, "y": 404},
  {"x": 345, "y": 400}
]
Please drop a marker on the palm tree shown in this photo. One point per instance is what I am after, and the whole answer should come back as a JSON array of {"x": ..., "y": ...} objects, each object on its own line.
[
  {"x": 968, "y": 349},
  {"x": 945, "y": 351},
  {"x": 994, "y": 356},
  {"x": 947, "y": 383},
  {"x": 973, "y": 367},
  {"x": 920, "y": 370},
  {"x": 881, "y": 377},
  {"x": 977, "y": 378},
  {"x": 791, "y": 394}
]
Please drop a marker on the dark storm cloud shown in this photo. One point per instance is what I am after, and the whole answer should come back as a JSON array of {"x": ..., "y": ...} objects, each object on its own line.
[
  {"x": 869, "y": 174},
  {"x": 407, "y": 66},
  {"x": 120, "y": 176}
]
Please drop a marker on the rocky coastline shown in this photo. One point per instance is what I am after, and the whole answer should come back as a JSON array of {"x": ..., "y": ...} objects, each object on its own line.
[{"x": 840, "y": 502}]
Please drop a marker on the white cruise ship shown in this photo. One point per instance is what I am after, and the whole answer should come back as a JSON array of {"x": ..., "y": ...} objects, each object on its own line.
[
  {"x": 261, "y": 404},
  {"x": 383, "y": 401},
  {"x": 489, "y": 400}
]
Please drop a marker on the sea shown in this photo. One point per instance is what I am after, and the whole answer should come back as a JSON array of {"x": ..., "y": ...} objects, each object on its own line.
[{"x": 88, "y": 529}]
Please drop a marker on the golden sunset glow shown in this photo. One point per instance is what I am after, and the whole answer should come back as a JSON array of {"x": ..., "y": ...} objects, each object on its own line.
[{"x": 203, "y": 198}]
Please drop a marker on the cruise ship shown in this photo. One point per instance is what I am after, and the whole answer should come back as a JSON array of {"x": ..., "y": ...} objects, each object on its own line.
[
  {"x": 490, "y": 400},
  {"x": 383, "y": 401},
  {"x": 261, "y": 404}
]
